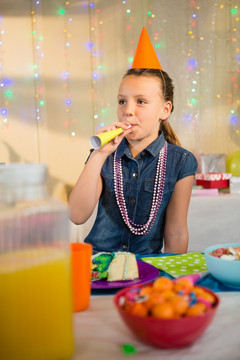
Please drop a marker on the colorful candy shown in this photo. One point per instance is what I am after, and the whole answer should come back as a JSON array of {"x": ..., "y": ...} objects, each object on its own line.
[{"x": 168, "y": 299}]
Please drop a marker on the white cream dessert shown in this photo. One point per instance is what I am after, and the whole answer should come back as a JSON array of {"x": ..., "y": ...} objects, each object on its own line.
[{"x": 123, "y": 267}]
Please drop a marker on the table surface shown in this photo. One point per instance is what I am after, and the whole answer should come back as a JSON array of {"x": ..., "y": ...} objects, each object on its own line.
[{"x": 100, "y": 333}]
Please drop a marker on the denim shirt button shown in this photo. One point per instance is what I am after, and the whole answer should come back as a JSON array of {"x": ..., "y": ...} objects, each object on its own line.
[
  {"x": 124, "y": 247},
  {"x": 133, "y": 200},
  {"x": 135, "y": 175}
]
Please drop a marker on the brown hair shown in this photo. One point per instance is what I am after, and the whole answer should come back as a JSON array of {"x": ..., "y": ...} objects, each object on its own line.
[{"x": 167, "y": 89}]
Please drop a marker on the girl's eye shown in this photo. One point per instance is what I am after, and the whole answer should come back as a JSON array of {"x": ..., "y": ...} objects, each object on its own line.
[
  {"x": 142, "y": 102},
  {"x": 121, "y": 102}
]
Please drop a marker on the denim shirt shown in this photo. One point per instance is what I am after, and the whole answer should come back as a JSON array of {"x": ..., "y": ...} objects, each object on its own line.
[{"x": 109, "y": 232}]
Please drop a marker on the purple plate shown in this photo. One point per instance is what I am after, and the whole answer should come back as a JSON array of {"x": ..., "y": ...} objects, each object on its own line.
[{"x": 147, "y": 273}]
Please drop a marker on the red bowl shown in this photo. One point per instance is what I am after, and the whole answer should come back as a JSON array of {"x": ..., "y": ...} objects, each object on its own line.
[{"x": 166, "y": 333}]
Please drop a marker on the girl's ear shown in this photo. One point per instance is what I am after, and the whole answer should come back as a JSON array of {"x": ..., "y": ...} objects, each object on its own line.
[{"x": 167, "y": 107}]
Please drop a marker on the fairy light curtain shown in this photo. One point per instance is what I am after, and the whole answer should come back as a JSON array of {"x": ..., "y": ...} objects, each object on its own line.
[
  {"x": 198, "y": 45},
  {"x": 61, "y": 63}
]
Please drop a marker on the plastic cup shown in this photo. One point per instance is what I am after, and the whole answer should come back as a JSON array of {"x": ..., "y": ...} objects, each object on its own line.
[
  {"x": 99, "y": 140},
  {"x": 81, "y": 254}
]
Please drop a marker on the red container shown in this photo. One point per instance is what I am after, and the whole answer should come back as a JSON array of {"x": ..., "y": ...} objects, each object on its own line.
[
  {"x": 166, "y": 333},
  {"x": 213, "y": 180},
  {"x": 210, "y": 184}
]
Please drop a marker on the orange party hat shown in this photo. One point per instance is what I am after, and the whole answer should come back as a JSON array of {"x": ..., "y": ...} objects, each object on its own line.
[{"x": 145, "y": 56}]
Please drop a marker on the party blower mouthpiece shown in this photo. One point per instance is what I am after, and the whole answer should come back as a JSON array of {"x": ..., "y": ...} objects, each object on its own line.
[{"x": 99, "y": 140}]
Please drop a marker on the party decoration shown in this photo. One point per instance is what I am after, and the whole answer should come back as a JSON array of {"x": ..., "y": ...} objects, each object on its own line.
[
  {"x": 101, "y": 139},
  {"x": 71, "y": 120},
  {"x": 233, "y": 163},
  {"x": 145, "y": 56},
  {"x": 212, "y": 163},
  {"x": 213, "y": 180},
  {"x": 129, "y": 349},
  {"x": 99, "y": 105},
  {"x": 235, "y": 185},
  {"x": 38, "y": 57},
  {"x": 5, "y": 93}
]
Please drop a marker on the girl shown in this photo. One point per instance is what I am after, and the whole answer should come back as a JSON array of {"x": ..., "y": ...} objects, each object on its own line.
[{"x": 142, "y": 179}]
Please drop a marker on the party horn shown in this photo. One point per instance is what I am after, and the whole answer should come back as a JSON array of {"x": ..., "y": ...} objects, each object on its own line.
[{"x": 99, "y": 140}]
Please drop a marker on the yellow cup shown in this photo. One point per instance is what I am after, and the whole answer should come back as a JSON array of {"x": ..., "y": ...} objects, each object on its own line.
[{"x": 99, "y": 140}]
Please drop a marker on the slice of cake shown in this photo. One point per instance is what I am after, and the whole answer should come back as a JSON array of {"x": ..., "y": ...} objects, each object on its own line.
[
  {"x": 123, "y": 267},
  {"x": 116, "y": 266},
  {"x": 100, "y": 264}
]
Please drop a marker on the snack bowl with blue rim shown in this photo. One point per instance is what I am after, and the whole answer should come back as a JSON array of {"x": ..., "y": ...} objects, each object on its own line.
[{"x": 225, "y": 271}]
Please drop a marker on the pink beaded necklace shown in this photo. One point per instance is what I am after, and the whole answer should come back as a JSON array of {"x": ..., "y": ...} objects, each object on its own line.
[{"x": 138, "y": 229}]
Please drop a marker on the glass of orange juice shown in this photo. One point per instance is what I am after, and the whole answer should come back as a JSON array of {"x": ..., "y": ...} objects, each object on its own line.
[{"x": 35, "y": 268}]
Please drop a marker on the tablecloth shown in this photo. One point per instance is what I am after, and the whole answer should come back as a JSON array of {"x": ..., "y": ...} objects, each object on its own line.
[{"x": 207, "y": 281}]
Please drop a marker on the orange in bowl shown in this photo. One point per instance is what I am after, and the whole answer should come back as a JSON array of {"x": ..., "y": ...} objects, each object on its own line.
[{"x": 166, "y": 322}]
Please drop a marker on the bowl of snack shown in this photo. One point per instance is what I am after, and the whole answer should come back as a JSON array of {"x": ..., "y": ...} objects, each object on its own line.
[
  {"x": 223, "y": 262},
  {"x": 167, "y": 313}
]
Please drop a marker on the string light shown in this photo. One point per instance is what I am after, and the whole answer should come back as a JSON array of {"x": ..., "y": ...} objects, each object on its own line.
[
  {"x": 5, "y": 83},
  {"x": 235, "y": 70},
  {"x": 70, "y": 124},
  {"x": 38, "y": 55},
  {"x": 192, "y": 110},
  {"x": 129, "y": 40},
  {"x": 99, "y": 108}
]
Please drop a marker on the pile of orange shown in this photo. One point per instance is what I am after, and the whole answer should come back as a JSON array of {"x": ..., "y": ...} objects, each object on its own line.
[{"x": 168, "y": 299}]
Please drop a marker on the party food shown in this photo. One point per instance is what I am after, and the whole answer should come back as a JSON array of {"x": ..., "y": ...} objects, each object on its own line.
[
  {"x": 115, "y": 266},
  {"x": 227, "y": 272},
  {"x": 229, "y": 253},
  {"x": 168, "y": 299},
  {"x": 100, "y": 263}
]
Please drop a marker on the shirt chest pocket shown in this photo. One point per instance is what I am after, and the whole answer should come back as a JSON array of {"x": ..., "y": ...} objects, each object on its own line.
[
  {"x": 108, "y": 185},
  {"x": 148, "y": 193},
  {"x": 148, "y": 186},
  {"x": 108, "y": 198}
]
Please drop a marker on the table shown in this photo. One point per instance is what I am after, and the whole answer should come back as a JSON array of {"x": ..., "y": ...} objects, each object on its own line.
[{"x": 100, "y": 332}]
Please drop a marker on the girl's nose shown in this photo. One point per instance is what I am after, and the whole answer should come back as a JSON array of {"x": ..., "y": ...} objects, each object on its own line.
[{"x": 129, "y": 109}]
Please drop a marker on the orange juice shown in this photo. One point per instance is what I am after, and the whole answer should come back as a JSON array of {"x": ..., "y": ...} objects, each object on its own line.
[{"x": 35, "y": 305}]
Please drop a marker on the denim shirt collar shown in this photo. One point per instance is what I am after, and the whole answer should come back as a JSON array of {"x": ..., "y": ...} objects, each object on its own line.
[{"x": 153, "y": 149}]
